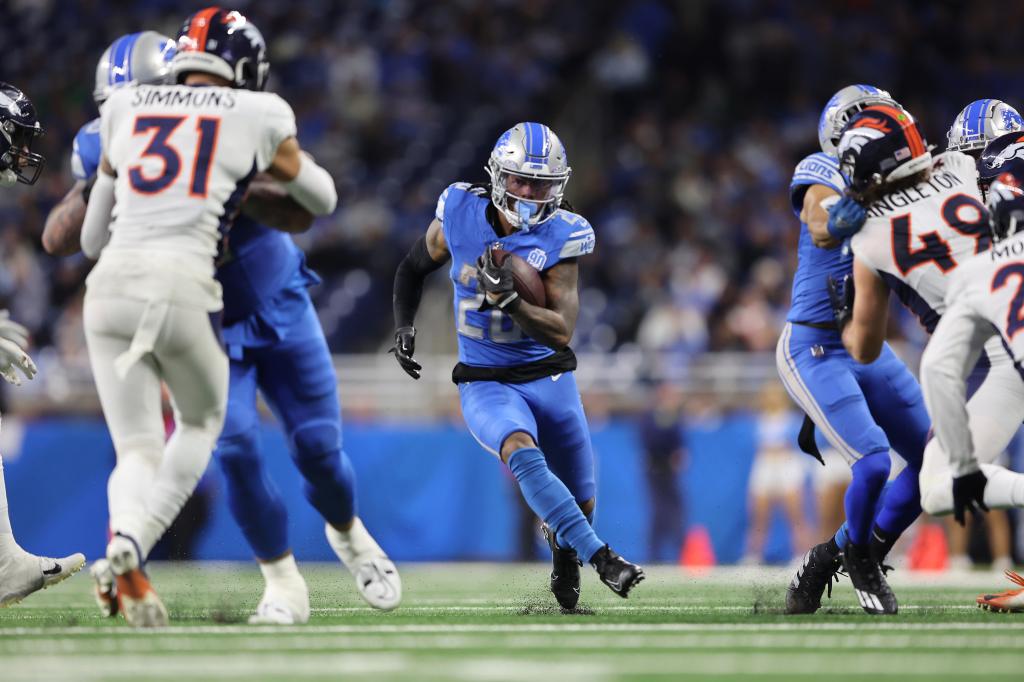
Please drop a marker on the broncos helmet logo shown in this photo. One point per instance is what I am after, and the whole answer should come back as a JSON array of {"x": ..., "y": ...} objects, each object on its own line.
[
  {"x": 872, "y": 122},
  {"x": 1013, "y": 151}
]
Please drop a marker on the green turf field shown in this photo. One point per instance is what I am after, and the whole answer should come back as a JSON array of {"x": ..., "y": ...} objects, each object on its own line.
[{"x": 497, "y": 622}]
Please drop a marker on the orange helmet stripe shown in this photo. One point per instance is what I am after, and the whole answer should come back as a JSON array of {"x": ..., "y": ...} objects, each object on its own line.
[
  {"x": 914, "y": 139},
  {"x": 199, "y": 27}
]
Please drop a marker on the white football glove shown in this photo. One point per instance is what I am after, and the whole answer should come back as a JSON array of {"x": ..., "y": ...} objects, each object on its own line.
[
  {"x": 8, "y": 178},
  {"x": 13, "y": 339},
  {"x": 11, "y": 330}
]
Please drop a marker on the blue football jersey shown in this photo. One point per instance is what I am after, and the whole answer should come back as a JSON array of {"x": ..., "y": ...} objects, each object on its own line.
[
  {"x": 810, "y": 296},
  {"x": 259, "y": 263},
  {"x": 491, "y": 338},
  {"x": 85, "y": 151}
]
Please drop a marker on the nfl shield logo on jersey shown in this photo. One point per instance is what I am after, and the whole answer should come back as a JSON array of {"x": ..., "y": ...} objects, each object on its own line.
[{"x": 537, "y": 258}]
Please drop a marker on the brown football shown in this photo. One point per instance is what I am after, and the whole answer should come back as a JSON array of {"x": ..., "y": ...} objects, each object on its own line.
[{"x": 526, "y": 278}]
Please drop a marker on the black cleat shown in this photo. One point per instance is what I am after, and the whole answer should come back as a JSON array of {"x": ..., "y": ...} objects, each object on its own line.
[
  {"x": 615, "y": 572},
  {"x": 565, "y": 572},
  {"x": 819, "y": 569},
  {"x": 869, "y": 583}
]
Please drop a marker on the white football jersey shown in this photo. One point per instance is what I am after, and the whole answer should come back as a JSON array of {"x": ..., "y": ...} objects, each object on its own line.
[
  {"x": 991, "y": 287},
  {"x": 183, "y": 157},
  {"x": 917, "y": 237}
]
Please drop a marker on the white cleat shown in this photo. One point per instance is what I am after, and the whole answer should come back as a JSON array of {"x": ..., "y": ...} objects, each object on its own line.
[
  {"x": 138, "y": 601},
  {"x": 378, "y": 582},
  {"x": 27, "y": 573},
  {"x": 376, "y": 577},
  {"x": 104, "y": 588}
]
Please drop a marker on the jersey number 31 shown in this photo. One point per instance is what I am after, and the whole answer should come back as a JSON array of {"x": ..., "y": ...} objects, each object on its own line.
[{"x": 161, "y": 128}]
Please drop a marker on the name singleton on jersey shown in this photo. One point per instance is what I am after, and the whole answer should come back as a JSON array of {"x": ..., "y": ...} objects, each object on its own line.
[
  {"x": 941, "y": 180},
  {"x": 182, "y": 97}
]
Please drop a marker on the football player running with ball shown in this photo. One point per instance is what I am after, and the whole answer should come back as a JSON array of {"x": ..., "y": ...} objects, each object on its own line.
[
  {"x": 515, "y": 372},
  {"x": 178, "y": 159},
  {"x": 21, "y": 573}
]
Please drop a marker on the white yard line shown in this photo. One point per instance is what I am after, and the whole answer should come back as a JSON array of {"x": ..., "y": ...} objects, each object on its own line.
[{"x": 997, "y": 623}]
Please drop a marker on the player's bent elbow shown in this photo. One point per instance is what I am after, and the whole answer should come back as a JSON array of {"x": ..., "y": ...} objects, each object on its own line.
[{"x": 865, "y": 353}]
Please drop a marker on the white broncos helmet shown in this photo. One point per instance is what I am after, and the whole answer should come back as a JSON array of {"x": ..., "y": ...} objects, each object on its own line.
[
  {"x": 841, "y": 108},
  {"x": 531, "y": 151},
  {"x": 979, "y": 123},
  {"x": 136, "y": 58}
]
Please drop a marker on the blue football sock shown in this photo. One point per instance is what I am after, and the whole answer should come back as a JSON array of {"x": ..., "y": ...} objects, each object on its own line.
[
  {"x": 330, "y": 481},
  {"x": 901, "y": 504},
  {"x": 549, "y": 499},
  {"x": 253, "y": 498},
  {"x": 869, "y": 476},
  {"x": 842, "y": 536}
]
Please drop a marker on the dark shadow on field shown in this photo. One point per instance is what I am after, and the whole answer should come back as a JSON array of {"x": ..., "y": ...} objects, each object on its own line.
[
  {"x": 544, "y": 607},
  {"x": 768, "y": 600}
]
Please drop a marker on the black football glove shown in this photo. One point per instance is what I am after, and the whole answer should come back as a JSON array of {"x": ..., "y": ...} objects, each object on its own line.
[
  {"x": 496, "y": 282},
  {"x": 841, "y": 298},
  {"x": 405, "y": 346},
  {"x": 969, "y": 493}
]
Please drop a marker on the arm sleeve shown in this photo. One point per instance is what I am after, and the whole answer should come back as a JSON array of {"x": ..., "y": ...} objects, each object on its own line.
[
  {"x": 96, "y": 226},
  {"x": 409, "y": 277},
  {"x": 951, "y": 354},
  {"x": 313, "y": 188}
]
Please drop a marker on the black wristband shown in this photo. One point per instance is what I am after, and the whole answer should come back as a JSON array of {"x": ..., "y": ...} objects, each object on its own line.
[{"x": 88, "y": 189}]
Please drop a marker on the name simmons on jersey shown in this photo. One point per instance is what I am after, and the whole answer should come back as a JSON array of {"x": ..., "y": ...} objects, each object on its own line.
[
  {"x": 193, "y": 97},
  {"x": 942, "y": 179}
]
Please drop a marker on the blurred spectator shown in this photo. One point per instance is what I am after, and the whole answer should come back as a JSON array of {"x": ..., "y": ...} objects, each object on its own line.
[
  {"x": 683, "y": 122},
  {"x": 778, "y": 476},
  {"x": 661, "y": 436}
]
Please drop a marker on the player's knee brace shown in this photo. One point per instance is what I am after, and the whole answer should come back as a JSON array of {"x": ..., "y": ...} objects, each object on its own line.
[{"x": 330, "y": 480}]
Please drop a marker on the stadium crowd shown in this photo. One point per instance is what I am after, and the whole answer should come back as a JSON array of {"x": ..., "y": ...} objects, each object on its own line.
[{"x": 663, "y": 106}]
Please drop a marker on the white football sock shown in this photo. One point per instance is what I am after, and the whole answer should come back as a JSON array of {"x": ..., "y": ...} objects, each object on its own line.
[
  {"x": 8, "y": 547},
  {"x": 281, "y": 570},
  {"x": 184, "y": 460},
  {"x": 131, "y": 481},
  {"x": 353, "y": 543}
]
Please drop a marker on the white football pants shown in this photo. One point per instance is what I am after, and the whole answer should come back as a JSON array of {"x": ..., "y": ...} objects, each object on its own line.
[
  {"x": 994, "y": 413},
  {"x": 133, "y": 346}
]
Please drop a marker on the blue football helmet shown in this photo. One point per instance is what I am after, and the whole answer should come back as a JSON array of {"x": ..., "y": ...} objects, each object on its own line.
[
  {"x": 222, "y": 43},
  {"x": 979, "y": 123},
  {"x": 136, "y": 58},
  {"x": 1005, "y": 203},
  {"x": 529, "y": 155},
  {"x": 19, "y": 129},
  {"x": 843, "y": 105}
]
